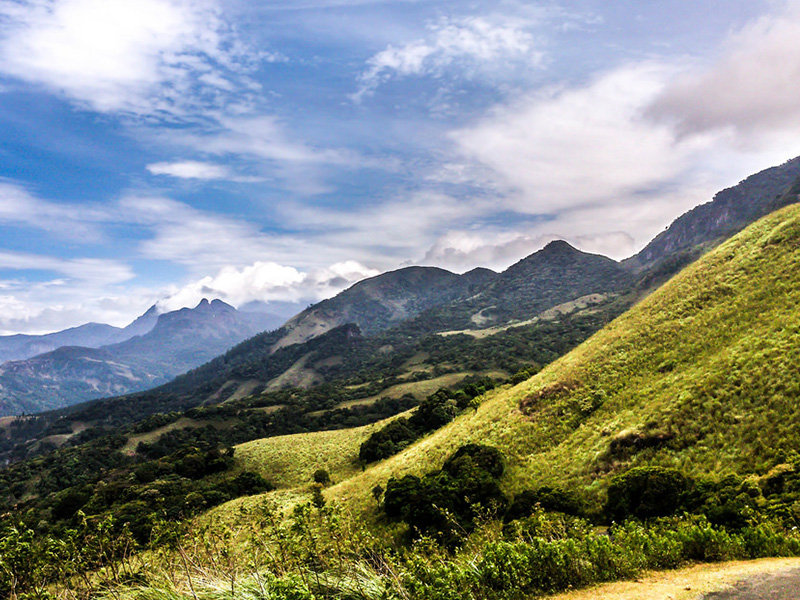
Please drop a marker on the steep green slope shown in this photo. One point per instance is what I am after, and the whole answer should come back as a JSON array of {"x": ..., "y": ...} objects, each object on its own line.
[{"x": 702, "y": 375}]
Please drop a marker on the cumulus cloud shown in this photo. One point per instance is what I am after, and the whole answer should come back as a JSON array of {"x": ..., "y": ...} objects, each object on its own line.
[
  {"x": 594, "y": 164},
  {"x": 266, "y": 282},
  {"x": 142, "y": 57},
  {"x": 752, "y": 87},
  {"x": 466, "y": 43},
  {"x": 590, "y": 161},
  {"x": 568, "y": 147}
]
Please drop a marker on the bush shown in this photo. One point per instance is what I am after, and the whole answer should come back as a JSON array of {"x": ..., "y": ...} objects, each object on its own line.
[
  {"x": 446, "y": 503},
  {"x": 548, "y": 498},
  {"x": 322, "y": 477},
  {"x": 646, "y": 492},
  {"x": 436, "y": 410}
]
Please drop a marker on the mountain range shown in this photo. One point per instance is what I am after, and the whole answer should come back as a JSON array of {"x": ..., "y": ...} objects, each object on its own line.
[
  {"x": 550, "y": 300},
  {"x": 153, "y": 350},
  {"x": 90, "y": 335},
  {"x": 683, "y": 407}
]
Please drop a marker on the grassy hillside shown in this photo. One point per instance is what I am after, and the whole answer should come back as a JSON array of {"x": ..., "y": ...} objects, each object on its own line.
[
  {"x": 290, "y": 461},
  {"x": 701, "y": 375}
]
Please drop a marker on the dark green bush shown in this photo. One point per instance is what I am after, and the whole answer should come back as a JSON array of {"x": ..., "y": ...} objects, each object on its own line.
[
  {"x": 322, "y": 477},
  {"x": 548, "y": 498},
  {"x": 646, "y": 492},
  {"x": 446, "y": 503}
]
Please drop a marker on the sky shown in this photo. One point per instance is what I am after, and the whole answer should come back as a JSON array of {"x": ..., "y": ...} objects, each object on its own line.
[{"x": 277, "y": 151}]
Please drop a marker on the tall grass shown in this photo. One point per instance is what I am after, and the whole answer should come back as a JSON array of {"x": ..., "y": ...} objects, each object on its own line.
[{"x": 326, "y": 554}]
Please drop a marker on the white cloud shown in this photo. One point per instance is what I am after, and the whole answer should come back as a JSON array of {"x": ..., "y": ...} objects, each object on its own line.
[
  {"x": 397, "y": 228},
  {"x": 140, "y": 57},
  {"x": 194, "y": 238},
  {"x": 474, "y": 43},
  {"x": 261, "y": 281},
  {"x": 264, "y": 143},
  {"x": 66, "y": 292},
  {"x": 262, "y": 137},
  {"x": 269, "y": 282},
  {"x": 564, "y": 148},
  {"x": 752, "y": 88},
  {"x": 597, "y": 166},
  {"x": 190, "y": 169},
  {"x": 381, "y": 234}
]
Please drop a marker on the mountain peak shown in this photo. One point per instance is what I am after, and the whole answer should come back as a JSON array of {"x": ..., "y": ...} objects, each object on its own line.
[{"x": 559, "y": 246}]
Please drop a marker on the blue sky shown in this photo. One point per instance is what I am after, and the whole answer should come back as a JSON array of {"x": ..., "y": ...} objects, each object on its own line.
[{"x": 278, "y": 151}]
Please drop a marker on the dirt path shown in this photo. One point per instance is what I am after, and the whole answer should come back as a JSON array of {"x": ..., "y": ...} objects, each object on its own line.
[
  {"x": 761, "y": 579},
  {"x": 783, "y": 585}
]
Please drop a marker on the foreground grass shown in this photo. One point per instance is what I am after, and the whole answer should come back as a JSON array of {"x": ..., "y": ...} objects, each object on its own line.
[{"x": 317, "y": 554}]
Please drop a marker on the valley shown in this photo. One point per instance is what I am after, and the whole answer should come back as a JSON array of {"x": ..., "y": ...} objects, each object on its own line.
[{"x": 431, "y": 435}]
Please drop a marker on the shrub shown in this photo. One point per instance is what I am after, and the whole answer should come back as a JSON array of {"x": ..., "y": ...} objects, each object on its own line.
[
  {"x": 646, "y": 492},
  {"x": 322, "y": 477},
  {"x": 548, "y": 498},
  {"x": 445, "y": 503}
]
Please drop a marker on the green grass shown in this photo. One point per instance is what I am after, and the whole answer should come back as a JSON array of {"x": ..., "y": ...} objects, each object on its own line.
[
  {"x": 290, "y": 461},
  {"x": 421, "y": 389},
  {"x": 702, "y": 375},
  {"x": 709, "y": 362},
  {"x": 705, "y": 370}
]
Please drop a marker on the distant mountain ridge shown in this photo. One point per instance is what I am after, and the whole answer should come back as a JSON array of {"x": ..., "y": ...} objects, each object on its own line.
[
  {"x": 176, "y": 342},
  {"x": 398, "y": 308},
  {"x": 90, "y": 335},
  {"x": 379, "y": 302},
  {"x": 413, "y": 302}
]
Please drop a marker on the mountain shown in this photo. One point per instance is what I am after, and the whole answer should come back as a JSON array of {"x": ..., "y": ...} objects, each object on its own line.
[
  {"x": 697, "y": 383},
  {"x": 141, "y": 325},
  {"x": 379, "y": 302},
  {"x": 92, "y": 335},
  {"x": 701, "y": 376},
  {"x": 386, "y": 328},
  {"x": 178, "y": 341},
  {"x": 556, "y": 274},
  {"x": 730, "y": 211}
]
